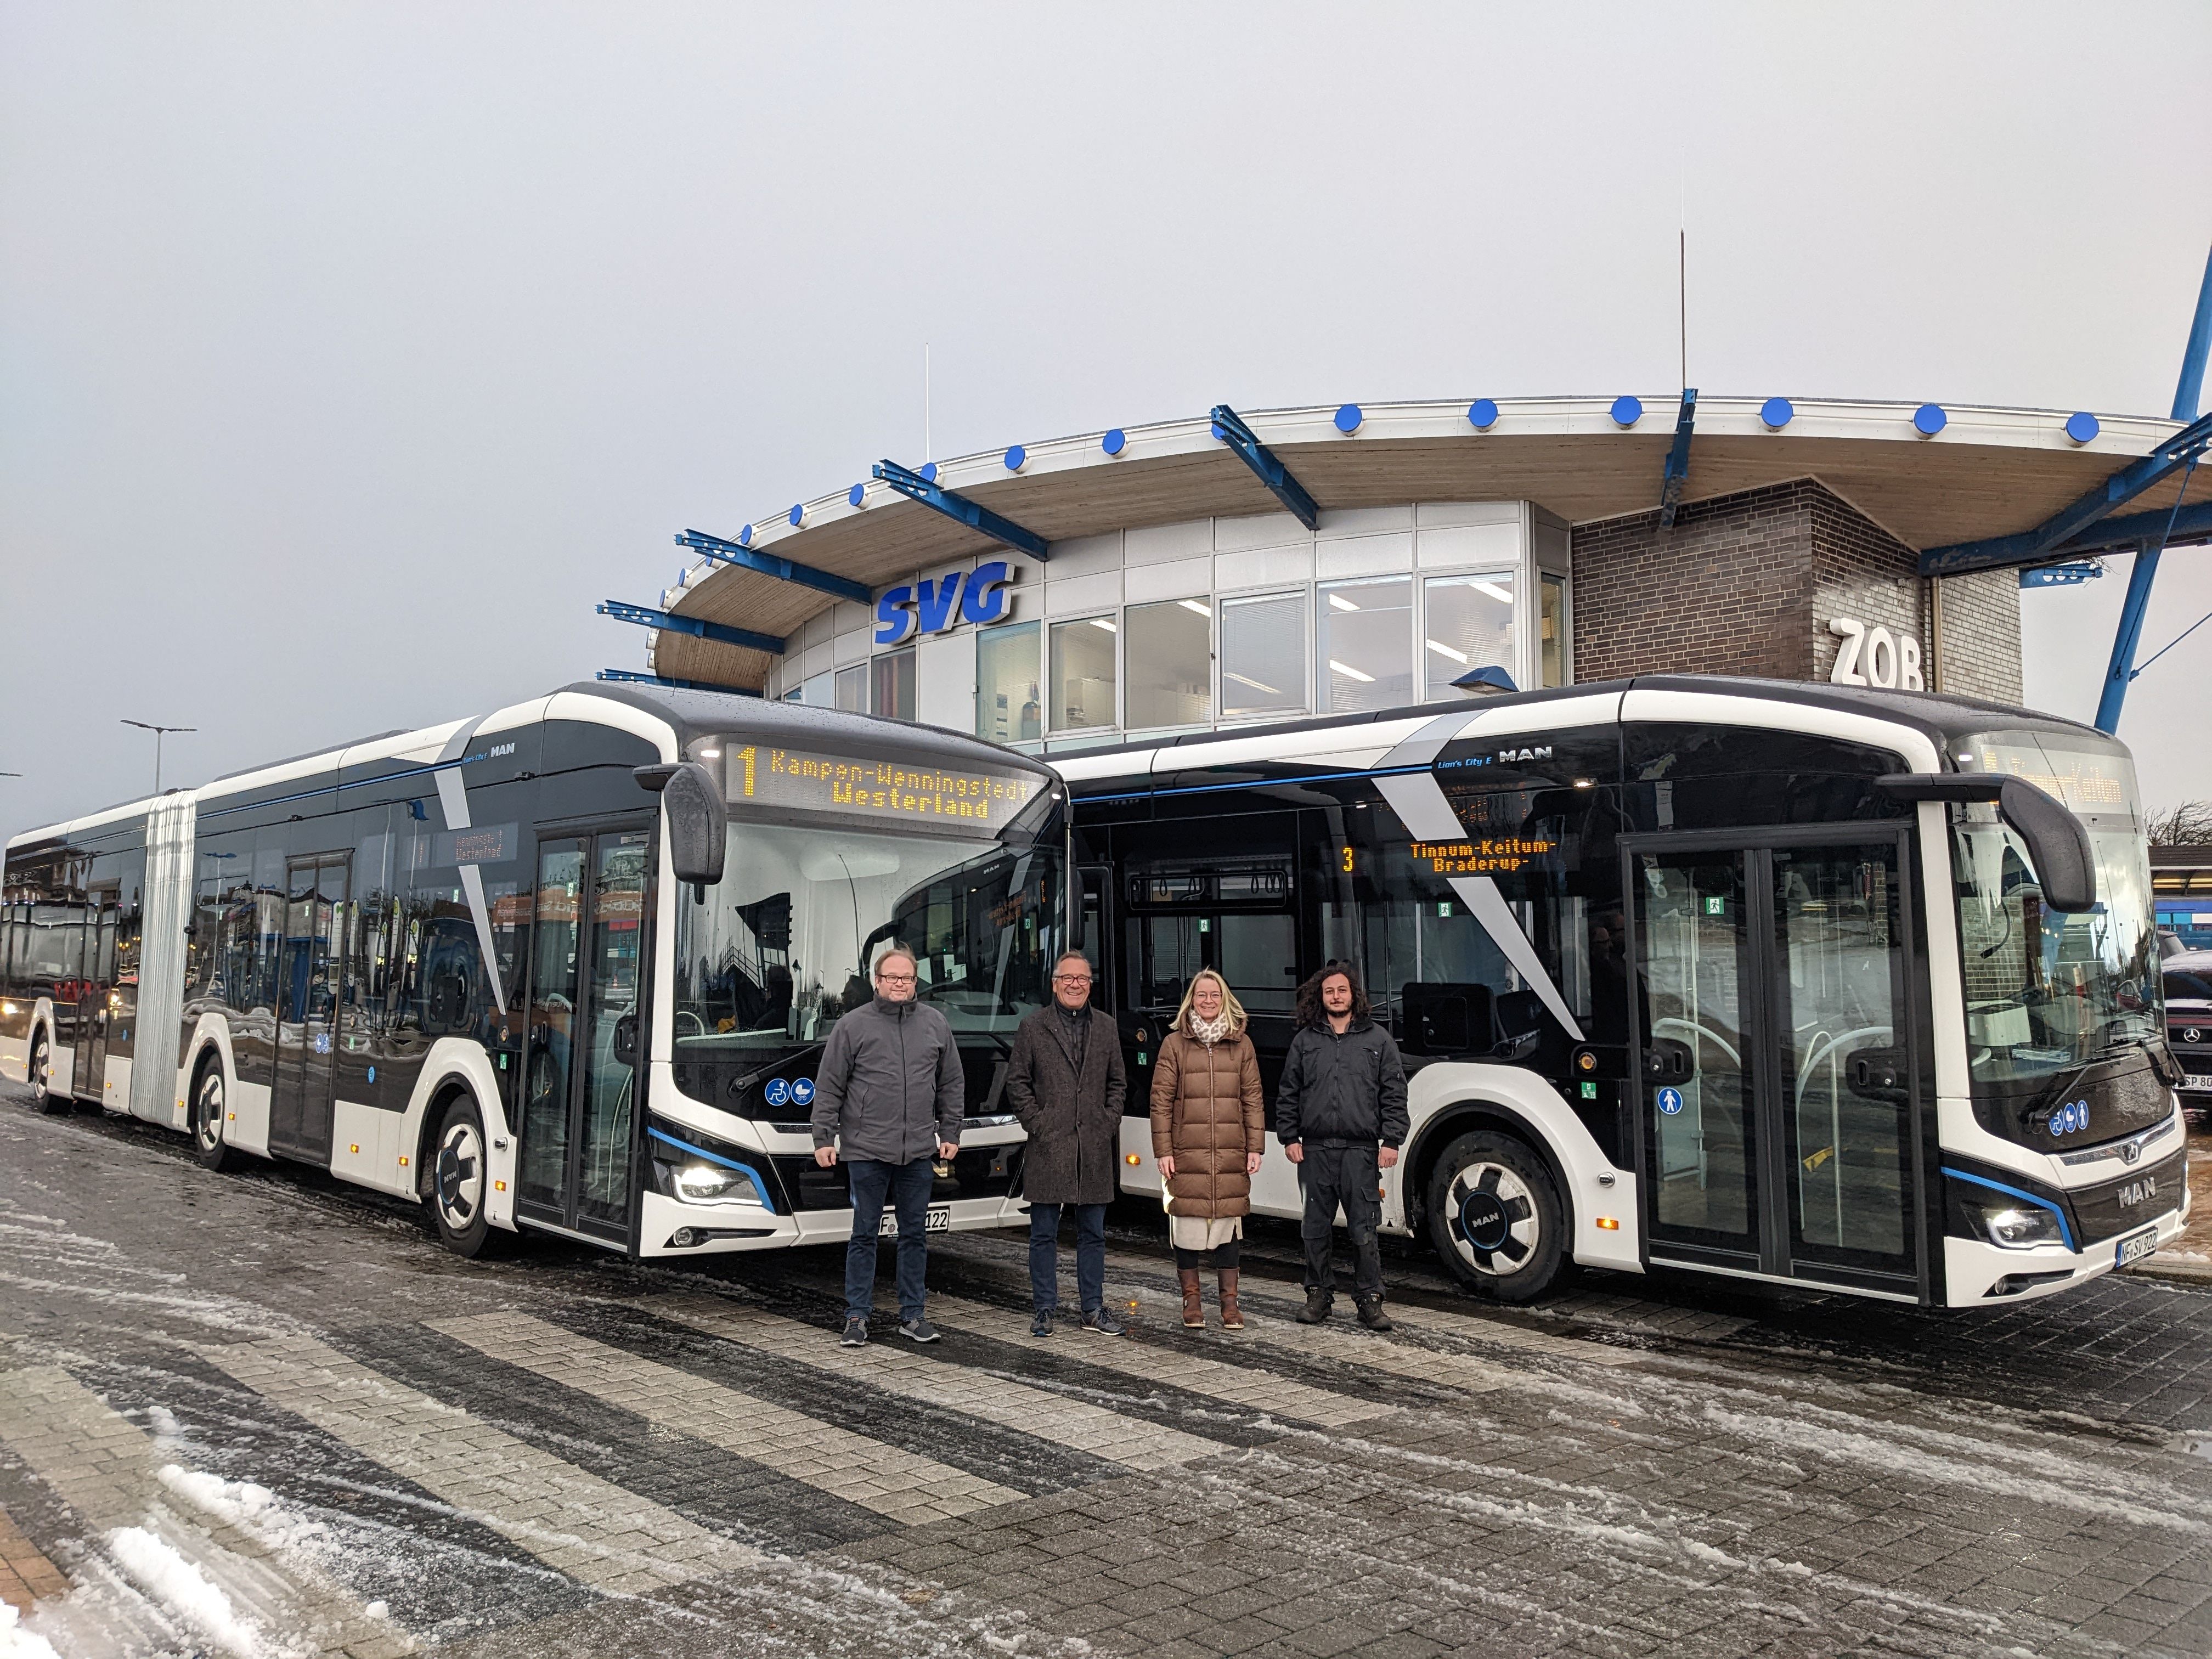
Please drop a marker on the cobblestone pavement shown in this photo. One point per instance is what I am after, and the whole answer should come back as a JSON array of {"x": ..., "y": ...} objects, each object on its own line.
[{"x": 263, "y": 1414}]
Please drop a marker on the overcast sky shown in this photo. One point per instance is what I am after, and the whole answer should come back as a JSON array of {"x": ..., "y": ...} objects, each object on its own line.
[{"x": 349, "y": 355}]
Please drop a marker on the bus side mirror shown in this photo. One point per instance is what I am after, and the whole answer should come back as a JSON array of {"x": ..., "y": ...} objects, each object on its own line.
[
  {"x": 698, "y": 819},
  {"x": 2057, "y": 845}
]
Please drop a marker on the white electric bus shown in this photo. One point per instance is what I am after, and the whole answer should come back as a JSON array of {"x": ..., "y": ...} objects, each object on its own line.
[
  {"x": 1852, "y": 989},
  {"x": 566, "y": 967}
]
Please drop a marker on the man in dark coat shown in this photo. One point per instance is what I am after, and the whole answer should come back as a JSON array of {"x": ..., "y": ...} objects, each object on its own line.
[
  {"x": 1340, "y": 1115},
  {"x": 1065, "y": 1082}
]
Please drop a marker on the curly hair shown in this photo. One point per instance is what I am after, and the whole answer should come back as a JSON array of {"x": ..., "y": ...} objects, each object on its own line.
[{"x": 1310, "y": 1011}]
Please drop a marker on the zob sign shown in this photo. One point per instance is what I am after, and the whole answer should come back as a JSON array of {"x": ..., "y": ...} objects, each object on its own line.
[
  {"x": 1874, "y": 656},
  {"x": 932, "y": 607}
]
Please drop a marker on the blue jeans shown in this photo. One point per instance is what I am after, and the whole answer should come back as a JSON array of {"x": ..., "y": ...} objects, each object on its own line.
[
  {"x": 908, "y": 1187},
  {"x": 1089, "y": 1255}
]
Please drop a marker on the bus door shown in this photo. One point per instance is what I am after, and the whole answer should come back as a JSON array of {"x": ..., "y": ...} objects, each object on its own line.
[
  {"x": 580, "y": 1073},
  {"x": 89, "y": 1075},
  {"x": 1780, "y": 1110},
  {"x": 310, "y": 952}
]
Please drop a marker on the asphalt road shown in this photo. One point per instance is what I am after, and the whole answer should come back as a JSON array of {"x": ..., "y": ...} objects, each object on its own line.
[{"x": 263, "y": 1414}]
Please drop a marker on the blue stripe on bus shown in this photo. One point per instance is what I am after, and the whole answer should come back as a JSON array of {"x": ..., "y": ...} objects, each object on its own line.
[
  {"x": 1260, "y": 783},
  {"x": 744, "y": 1169},
  {"x": 2065, "y": 1232}
]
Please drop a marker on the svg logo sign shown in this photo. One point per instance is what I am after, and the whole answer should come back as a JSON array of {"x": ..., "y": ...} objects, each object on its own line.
[{"x": 931, "y": 607}]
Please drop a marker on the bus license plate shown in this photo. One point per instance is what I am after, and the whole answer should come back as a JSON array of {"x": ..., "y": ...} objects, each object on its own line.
[
  {"x": 2135, "y": 1247},
  {"x": 939, "y": 1220}
]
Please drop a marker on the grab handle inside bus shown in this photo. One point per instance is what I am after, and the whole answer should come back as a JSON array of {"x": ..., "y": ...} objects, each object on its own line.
[
  {"x": 698, "y": 820},
  {"x": 2057, "y": 845}
]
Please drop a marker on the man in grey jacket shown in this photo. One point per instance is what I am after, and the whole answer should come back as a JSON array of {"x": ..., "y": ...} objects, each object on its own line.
[{"x": 888, "y": 1096}]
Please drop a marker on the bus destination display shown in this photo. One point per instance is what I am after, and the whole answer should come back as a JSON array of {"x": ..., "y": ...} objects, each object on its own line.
[
  {"x": 1495, "y": 855},
  {"x": 954, "y": 797}
]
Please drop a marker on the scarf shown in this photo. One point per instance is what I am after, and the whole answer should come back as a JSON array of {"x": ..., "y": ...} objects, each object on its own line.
[{"x": 1209, "y": 1031}]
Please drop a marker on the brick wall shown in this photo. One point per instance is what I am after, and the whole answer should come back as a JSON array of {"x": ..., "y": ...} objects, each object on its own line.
[{"x": 1747, "y": 584}]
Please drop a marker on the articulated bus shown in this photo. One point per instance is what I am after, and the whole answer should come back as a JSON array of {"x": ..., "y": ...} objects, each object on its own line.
[
  {"x": 565, "y": 969},
  {"x": 1850, "y": 990}
]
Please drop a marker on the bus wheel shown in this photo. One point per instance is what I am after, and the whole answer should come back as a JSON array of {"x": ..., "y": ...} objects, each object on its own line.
[
  {"x": 51, "y": 1104},
  {"x": 1496, "y": 1218},
  {"x": 207, "y": 1119},
  {"x": 457, "y": 1181}
]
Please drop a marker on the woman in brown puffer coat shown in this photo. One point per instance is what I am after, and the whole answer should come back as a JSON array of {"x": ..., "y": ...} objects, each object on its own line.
[{"x": 1209, "y": 1128}]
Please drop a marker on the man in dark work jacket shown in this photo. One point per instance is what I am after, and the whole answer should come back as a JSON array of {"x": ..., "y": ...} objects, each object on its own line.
[
  {"x": 1340, "y": 1115},
  {"x": 1066, "y": 1081}
]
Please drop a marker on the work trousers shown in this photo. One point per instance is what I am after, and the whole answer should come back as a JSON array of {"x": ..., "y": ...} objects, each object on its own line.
[
  {"x": 907, "y": 1186},
  {"x": 1330, "y": 1175},
  {"x": 1089, "y": 1255}
]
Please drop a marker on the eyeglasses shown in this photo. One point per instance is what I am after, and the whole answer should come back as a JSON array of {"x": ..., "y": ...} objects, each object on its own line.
[
  {"x": 1071, "y": 979},
  {"x": 894, "y": 979}
]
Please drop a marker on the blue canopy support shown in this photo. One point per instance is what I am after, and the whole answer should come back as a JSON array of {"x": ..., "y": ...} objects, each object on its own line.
[
  {"x": 2187, "y": 392},
  {"x": 2058, "y": 532},
  {"x": 1677, "y": 472},
  {"x": 1228, "y": 427},
  {"x": 630, "y": 678},
  {"x": 957, "y": 508},
  {"x": 669, "y": 623},
  {"x": 772, "y": 564}
]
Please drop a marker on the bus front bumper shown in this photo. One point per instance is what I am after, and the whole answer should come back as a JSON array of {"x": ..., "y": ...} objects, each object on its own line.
[
  {"x": 1980, "y": 1276},
  {"x": 719, "y": 1229}
]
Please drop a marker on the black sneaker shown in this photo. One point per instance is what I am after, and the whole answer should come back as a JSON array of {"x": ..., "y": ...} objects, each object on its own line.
[
  {"x": 1042, "y": 1325},
  {"x": 917, "y": 1330},
  {"x": 1104, "y": 1323},
  {"x": 1372, "y": 1316},
  {"x": 856, "y": 1334},
  {"x": 1318, "y": 1304}
]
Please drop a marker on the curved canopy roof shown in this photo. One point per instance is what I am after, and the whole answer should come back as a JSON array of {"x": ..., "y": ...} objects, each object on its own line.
[{"x": 1986, "y": 472}]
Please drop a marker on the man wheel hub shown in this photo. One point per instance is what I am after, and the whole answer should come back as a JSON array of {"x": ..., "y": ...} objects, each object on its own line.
[{"x": 1483, "y": 1220}]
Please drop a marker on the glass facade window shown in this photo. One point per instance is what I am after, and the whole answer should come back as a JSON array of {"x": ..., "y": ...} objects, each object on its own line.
[
  {"x": 1082, "y": 674},
  {"x": 1552, "y": 641},
  {"x": 1469, "y": 625},
  {"x": 1169, "y": 654},
  {"x": 850, "y": 691},
  {"x": 893, "y": 686},
  {"x": 815, "y": 690},
  {"x": 1362, "y": 643},
  {"x": 1008, "y": 706},
  {"x": 1263, "y": 656}
]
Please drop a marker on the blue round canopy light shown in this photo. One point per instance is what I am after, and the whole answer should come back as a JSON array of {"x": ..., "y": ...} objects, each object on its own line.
[
  {"x": 1482, "y": 414},
  {"x": 2081, "y": 426},
  {"x": 1348, "y": 419},
  {"x": 856, "y": 493},
  {"x": 1930, "y": 419},
  {"x": 928, "y": 471},
  {"x": 745, "y": 537},
  {"x": 1627, "y": 411},
  {"x": 1116, "y": 440},
  {"x": 1016, "y": 458},
  {"x": 1776, "y": 412},
  {"x": 797, "y": 513}
]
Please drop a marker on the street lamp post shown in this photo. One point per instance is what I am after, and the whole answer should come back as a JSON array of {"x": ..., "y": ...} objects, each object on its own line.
[{"x": 159, "y": 732}]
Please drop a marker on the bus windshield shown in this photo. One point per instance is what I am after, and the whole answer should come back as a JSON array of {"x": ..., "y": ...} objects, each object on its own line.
[
  {"x": 783, "y": 944},
  {"x": 2047, "y": 991}
]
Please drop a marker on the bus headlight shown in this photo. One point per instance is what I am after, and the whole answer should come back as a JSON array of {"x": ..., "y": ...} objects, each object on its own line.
[
  {"x": 709, "y": 1183},
  {"x": 2020, "y": 1226}
]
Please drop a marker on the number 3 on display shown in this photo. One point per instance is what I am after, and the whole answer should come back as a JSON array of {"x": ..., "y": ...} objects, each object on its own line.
[{"x": 1346, "y": 864}]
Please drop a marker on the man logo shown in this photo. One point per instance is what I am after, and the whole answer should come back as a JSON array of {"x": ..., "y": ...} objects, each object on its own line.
[
  {"x": 2137, "y": 1191},
  {"x": 1542, "y": 751},
  {"x": 2130, "y": 1151}
]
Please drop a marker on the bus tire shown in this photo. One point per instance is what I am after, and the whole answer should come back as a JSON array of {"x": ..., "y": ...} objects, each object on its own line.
[
  {"x": 1496, "y": 1218},
  {"x": 455, "y": 1181},
  {"x": 51, "y": 1104},
  {"x": 210, "y": 1109}
]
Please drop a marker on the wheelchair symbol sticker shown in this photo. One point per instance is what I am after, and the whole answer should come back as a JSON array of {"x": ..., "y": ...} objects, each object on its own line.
[
  {"x": 1670, "y": 1101},
  {"x": 802, "y": 1090},
  {"x": 778, "y": 1091}
]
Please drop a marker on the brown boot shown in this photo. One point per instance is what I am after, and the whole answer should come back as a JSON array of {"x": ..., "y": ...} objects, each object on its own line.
[
  {"x": 1232, "y": 1316},
  {"x": 1194, "y": 1316}
]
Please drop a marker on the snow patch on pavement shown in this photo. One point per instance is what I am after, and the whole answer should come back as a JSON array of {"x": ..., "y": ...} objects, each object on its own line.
[
  {"x": 18, "y": 1640},
  {"x": 180, "y": 1587}
]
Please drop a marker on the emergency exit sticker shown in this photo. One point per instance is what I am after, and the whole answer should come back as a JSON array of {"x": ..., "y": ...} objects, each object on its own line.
[{"x": 1715, "y": 906}]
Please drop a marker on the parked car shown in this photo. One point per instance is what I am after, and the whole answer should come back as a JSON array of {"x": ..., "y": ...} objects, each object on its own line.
[{"x": 2189, "y": 1026}]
